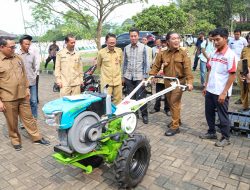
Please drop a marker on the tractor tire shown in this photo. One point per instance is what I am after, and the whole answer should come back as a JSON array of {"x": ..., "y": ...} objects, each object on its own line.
[{"x": 132, "y": 161}]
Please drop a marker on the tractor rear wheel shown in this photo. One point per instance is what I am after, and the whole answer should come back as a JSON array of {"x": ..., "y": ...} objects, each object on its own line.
[{"x": 132, "y": 161}]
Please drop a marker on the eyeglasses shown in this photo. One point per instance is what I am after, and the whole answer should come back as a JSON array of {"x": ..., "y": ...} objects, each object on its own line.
[{"x": 11, "y": 47}]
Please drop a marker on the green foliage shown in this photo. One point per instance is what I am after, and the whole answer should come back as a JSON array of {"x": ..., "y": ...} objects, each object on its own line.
[
  {"x": 217, "y": 13},
  {"x": 243, "y": 26},
  {"x": 161, "y": 19}
]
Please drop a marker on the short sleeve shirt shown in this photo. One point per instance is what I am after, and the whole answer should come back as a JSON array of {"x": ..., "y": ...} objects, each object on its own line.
[
  {"x": 221, "y": 64},
  {"x": 237, "y": 45},
  {"x": 209, "y": 49}
]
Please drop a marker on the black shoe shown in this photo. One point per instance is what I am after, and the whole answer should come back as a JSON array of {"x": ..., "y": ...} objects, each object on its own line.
[
  {"x": 137, "y": 115},
  {"x": 153, "y": 111},
  {"x": 145, "y": 119},
  {"x": 170, "y": 124},
  {"x": 43, "y": 142},
  {"x": 208, "y": 136},
  {"x": 238, "y": 101},
  {"x": 17, "y": 147},
  {"x": 168, "y": 113},
  {"x": 172, "y": 132}
]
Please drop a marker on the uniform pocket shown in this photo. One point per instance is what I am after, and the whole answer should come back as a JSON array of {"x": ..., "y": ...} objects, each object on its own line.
[{"x": 3, "y": 73}]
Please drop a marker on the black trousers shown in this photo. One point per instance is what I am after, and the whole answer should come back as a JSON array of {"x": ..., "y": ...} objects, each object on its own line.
[
  {"x": 141, "y": 93},
  {"x": 37, "y": 82},
  {"x": 48, "y": 60},
  {"x": 159, "y": 87},
  {"x": 196, "y": 60},
  {"x": 211, "y": 104}
]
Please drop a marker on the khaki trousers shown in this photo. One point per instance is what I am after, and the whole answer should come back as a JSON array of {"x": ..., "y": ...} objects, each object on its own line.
[
  {"x": 174, "y": 101},
  {"x": 70, "y": 90},
  {"x": 22, "y": 109},
  {"x": 243, "y": 94},
  {"x": 116, "y": 92}
]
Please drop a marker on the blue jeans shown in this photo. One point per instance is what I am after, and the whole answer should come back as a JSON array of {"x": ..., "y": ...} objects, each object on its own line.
[
  {"x": 203, "y": 72},
  {"x": 33, "y": 100}
]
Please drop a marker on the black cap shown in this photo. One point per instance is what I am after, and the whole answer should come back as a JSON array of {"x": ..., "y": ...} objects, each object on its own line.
[
  {"x": 163, "y": 38},
  {"x": 26, "y": 37}
]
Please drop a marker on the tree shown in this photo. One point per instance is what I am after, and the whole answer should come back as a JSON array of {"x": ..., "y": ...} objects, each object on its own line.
[
  {"x": 218, "y": 13},
  {"x": 82, "y": 9},
  {"x": 161, "y": 19}
]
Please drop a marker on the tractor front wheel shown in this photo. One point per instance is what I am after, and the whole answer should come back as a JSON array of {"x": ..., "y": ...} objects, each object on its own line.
[{"x": 132, "y": 161}]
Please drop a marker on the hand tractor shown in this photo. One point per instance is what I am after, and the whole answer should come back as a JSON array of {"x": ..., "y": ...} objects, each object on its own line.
[{"x": 92, "y": 130}]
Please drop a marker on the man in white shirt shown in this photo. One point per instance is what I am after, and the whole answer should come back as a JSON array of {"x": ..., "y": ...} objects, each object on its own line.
[
  {"x": 237, "y": 43},
  {"x": 221, "y": 75},
  {"x": 207, "y": 48}
]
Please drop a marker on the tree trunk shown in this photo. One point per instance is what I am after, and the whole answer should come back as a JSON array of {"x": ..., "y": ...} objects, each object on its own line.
[{"x": 99, "y": 34}]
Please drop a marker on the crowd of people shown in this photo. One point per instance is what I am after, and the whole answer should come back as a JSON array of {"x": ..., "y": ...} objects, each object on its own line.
[{"x": 218, "y": 55}]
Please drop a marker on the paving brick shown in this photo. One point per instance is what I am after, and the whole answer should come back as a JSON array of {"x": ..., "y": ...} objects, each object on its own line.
[
  {"x": 161, "y": 180},
  {"x": 188, "y": 176},
  {"x": 213, "y": 173},
  {"x": 147, "y": 181},
  {"x": 201, "y": 175},
  {"x": 230, "y": 187},
  {"x": 237, "y": 170},
  {"x": 243, "y": 186},
  {"x": 228, "y": 180},
  {"x": 201, "y": 184},
  {"x": 177, "y": 163},
  {"x": 90, "y": 185},
  {"x": 215, "y": 182},
  {"x": 189, "y": 168},
  {"x": 155, "y": 187}
]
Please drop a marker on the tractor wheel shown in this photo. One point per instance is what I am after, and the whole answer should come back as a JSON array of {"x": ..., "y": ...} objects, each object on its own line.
[
  {"x": 81, "y": 137},
  {"x": 132, "y": 161}
]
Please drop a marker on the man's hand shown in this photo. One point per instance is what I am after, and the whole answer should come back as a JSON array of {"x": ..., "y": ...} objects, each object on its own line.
[
  {"x": 27, "y": 96},
  {"x": 123, "y": 81},
  {"x": 2, "y": 107},
  {"x": 222, "y": 98},
  {"x": 59, "y": 84},
  {"x": 204, "y": 91},
  {"x": 190, "y": 87}
]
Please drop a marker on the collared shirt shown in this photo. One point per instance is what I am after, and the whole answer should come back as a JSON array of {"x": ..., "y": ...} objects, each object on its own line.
[
  {"x": 237, "y": 45},
  {"x": 135, "y": 64},
  {"x": 29, "y": 60},
  {"x": 209, "y": 49},
  {"x": 176, "y": 63},
  {"x": 68, "y": 69},
  {"x": 222, "y": 64},
  {"x": 13, "y": 79},
  {"x": 109, "y": 63}
]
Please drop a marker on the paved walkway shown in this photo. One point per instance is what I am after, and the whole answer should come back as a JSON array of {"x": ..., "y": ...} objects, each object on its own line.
[{"x": 182, "y": 162}]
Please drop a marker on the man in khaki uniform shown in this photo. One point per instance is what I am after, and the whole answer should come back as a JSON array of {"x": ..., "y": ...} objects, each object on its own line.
[
  {"x": 109, "y": 61},
  {"x": 68, "y": 70},
  {"x": 245, "y": 54},
  {"x": 15, "y": 94},
  {"x": 176, "y": 63}
]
